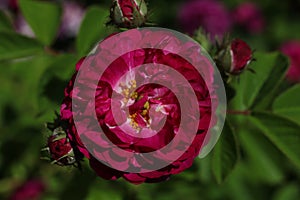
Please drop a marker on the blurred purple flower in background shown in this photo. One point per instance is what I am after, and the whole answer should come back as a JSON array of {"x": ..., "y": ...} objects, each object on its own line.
[
  {"x": 211, "y": 15},
  {"x": 19, "y": 22},
  {"x": 292, "y": 50},
  {"x": 249, "y": 16},
  {"x": 13, "y": 5},
  {"x": 30, "y": 190},
  {"x": 3, "y": 4},
  {"x": 22, "y": 27},
  {"x": 71, "y": 19},
  {"x": 9, "y": 4}
]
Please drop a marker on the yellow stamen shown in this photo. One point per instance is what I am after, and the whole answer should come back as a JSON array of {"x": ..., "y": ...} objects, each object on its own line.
[{"x": 147, "y": 105}]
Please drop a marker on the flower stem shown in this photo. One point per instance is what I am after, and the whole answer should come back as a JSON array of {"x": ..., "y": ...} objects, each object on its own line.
[{"x": 239, "y": 112}]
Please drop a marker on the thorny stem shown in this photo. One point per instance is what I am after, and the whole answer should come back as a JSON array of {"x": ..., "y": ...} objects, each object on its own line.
[
  {"x": 239, "y": 112},
  {"x": 51, "y": 51}
]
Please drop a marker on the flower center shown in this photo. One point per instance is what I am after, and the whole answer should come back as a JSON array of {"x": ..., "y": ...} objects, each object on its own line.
[
  {"x": 128, "y": 91},
  {"x": 139, "y": 106},
  {"x": 140, "y": 117}
]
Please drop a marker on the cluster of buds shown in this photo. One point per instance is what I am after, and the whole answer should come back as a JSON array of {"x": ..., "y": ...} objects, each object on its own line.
[
  {"x": 59, "y": 149},
  {"x": 233, "y": 56},
  {"x": 128, "y": 13}
]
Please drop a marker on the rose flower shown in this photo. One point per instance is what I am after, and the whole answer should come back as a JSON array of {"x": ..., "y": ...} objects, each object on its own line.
[{"x": 143, "y": 103}]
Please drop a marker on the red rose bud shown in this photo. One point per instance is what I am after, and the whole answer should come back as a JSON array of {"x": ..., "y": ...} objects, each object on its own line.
[
  {"x": 234, "y": 56},
  {"x": 128, "y": 13},
  {"x": 241, "y": 56},
  {"x": 59, "y": 148}
]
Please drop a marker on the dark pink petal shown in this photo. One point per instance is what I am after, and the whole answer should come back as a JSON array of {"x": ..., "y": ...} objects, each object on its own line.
[
  {"x": 104, "y": 171},
  {"x": 134, "y": 178}
]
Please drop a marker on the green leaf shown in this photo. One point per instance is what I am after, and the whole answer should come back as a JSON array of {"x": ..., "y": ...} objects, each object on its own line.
[
  {"x": 225, "y": 154},
  {"x": 257, "y": 90},
  {"x": 268, "y": 90},
  {"x": 95, "y": 194},
  {"x": 63, "y": 66},
  {"x": 51, "y": 87},
  {"x": 283, "y": 133},
  {"x": 68, "y": 190},
  {"x": 5, "y": 23},
  {"x": 290, "y": 191},
  {"x": 13, "y": 46},
  {"x": 281, "y": 30},
  {"x": 261, "y": 155},
  {"x": 43, "y": 17},
  {"x": 287, "y": 104},
  {"x": 29, "y": 72},
  {"x": 92, "y": 29}
]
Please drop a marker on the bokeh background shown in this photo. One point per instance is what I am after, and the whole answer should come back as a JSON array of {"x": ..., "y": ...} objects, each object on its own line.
[{"x": 37, "y": 61}]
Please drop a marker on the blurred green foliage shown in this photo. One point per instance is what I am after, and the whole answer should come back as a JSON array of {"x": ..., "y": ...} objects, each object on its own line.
[{"x": 257, "y": 157}]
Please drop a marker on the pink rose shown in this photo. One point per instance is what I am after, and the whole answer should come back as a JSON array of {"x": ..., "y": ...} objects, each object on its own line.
[{"x": 139, "y": 119}]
